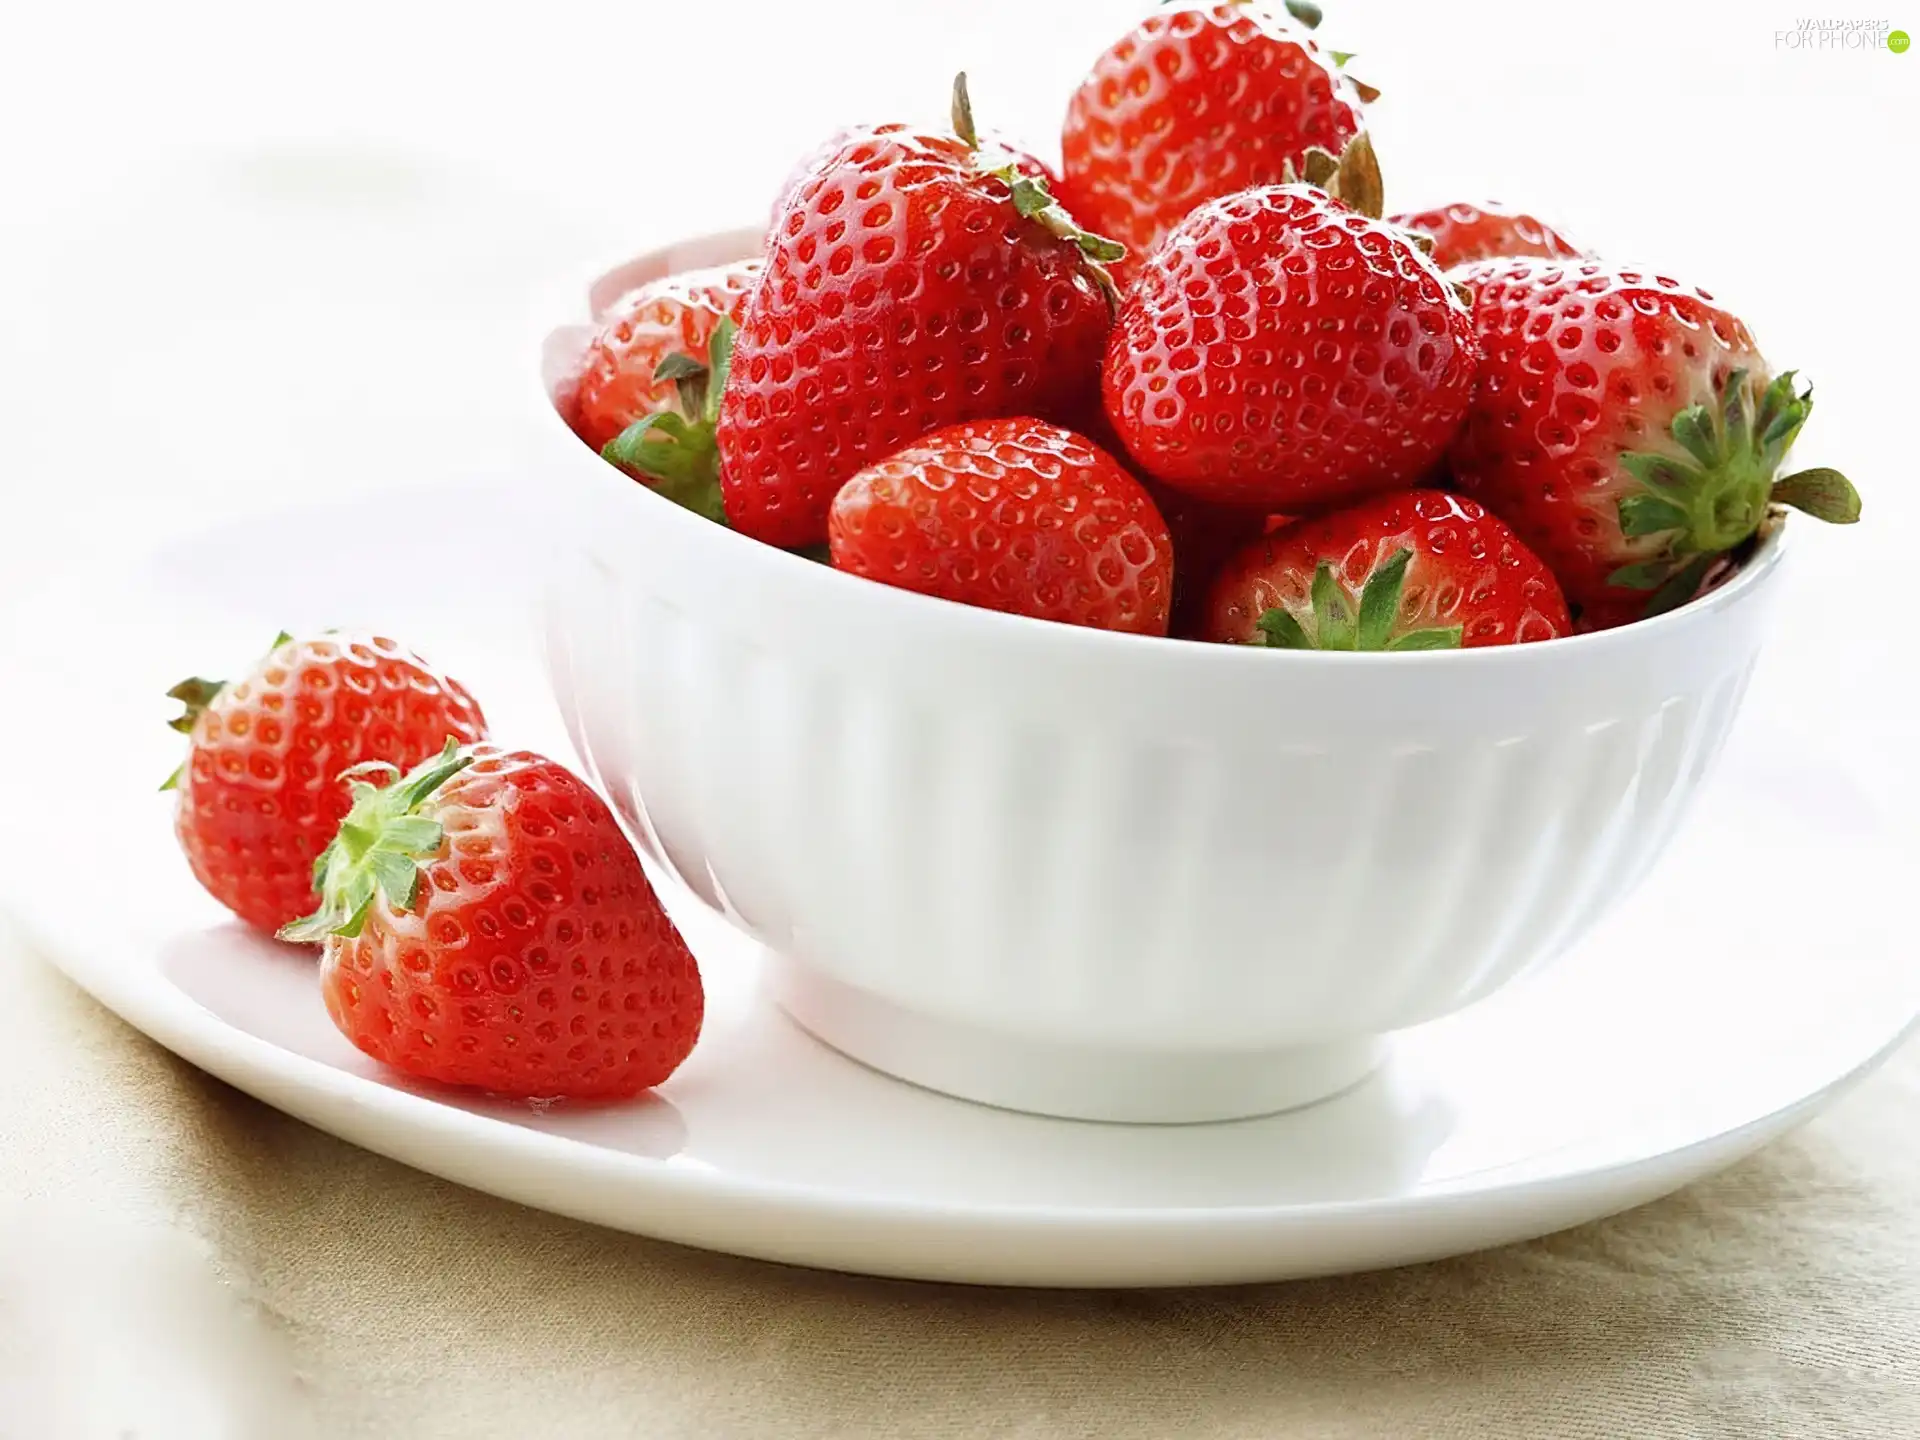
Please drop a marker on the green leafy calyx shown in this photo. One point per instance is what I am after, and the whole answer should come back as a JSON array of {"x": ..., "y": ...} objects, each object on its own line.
[
  {"x": 1710, "y": 491},
  {"x": 1340, "y": 624},
  {"x": 378, "y": 845},
  {"x": 678, "y": 454}
]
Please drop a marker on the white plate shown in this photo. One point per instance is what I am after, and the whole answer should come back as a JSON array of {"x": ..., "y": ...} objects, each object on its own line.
[{"x": 1751, "y": 981}]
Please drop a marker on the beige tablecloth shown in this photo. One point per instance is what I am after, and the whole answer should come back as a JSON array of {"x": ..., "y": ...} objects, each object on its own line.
[{"x": 178, "y": 1260}]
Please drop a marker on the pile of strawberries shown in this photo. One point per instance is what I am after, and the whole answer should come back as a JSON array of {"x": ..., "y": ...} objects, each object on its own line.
[{"x": 1195, "y": 383}]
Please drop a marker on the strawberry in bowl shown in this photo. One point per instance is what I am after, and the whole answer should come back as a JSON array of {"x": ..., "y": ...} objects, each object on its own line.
[
  {"x": 1013, "y": 515},
  {"x": 1414, "y": 570},
  {"x": 985, "y": 295},
  {"x": 1285, "y": 350},
  {"x": 1198, "y": 102},
  {"x": 1630, "y": 431},
  {"x": 1462, "y": 234}
]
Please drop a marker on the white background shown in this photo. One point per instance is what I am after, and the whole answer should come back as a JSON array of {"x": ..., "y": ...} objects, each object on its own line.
[{"x": 260, "y": 249}]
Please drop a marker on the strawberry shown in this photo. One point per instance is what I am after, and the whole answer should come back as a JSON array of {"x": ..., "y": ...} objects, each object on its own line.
[
  {"x": 1283, "y": 351},
  {"x": 1463, "y": 233},
  {"x": 1629, "y": 429},
  {"x": 916, "y": 280},
  {"x": 1417, "y": 570},
  {"x": 486, "y": 923},
  {"x": 259, "y": 793},
  {"x": 1197, "y": 103},
  {"x": 1014, "y": 515},
  {"x": 631, "y": 382},
  {"x": 830, "y": 148}
]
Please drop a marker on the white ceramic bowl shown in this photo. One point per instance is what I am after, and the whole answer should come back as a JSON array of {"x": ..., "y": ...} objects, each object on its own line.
[{"x": 1104, "y": 875}]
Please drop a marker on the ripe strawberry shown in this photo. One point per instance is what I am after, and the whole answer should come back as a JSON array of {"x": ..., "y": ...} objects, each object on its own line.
[
  {"x": 1462, "y": 234},
  {"x": 1193, "y": 104},
  {"x": 630, "y": 376},
  {"x": 1283, "y": 351},
  {"x": 486, "y": 923},
  {"x": 1013, "y": 515},
  {"x": 917, "y": 280},
  {"x": 259, "y": 791},
  {"x": 1627, "y": 427},
  {"x": 831, "y": 147},
  {"x": 1417, "y": 570}
]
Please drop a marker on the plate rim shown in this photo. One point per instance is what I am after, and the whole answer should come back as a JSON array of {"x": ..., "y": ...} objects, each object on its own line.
[{"x": 132, "y": 986}]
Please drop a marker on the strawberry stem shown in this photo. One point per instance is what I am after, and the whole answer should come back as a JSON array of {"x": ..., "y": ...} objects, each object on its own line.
[
  {"x": 963, "y": 112},
  {"x": 1711, "y": 491},
  {"x": 678, "y": 455},
  {"x": 1033, "y": 199},
  {"x": 1335, "y": 625}
]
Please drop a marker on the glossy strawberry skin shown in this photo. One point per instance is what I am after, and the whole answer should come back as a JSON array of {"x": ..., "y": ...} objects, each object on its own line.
[
  {"x": 847, "y": 135},
  {"x": 1467, "y": 569},
  {"x": 536, "y": 960},
  {"x": 903, "y": 292},
  {"x": 1585, "y": 361},
  {"x": 259, "y": 795},
  {"x": 674, "y": 314},
  {"x": 1013, "y": 515},
  {"x": 1282, "y": 352},
  {"x": 1463, "y": 233},
  {"x": 1194, "y": 104}
]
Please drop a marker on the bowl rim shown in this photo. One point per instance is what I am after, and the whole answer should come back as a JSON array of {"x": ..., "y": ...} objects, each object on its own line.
[{"x": 882, "y": 602}]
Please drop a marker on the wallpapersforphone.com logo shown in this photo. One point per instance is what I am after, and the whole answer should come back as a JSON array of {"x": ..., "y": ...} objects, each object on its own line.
[{"x": 1812, "y": 34}]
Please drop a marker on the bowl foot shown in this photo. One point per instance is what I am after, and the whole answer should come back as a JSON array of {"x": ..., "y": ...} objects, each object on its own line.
[{"x": 1079, "y": 1082}]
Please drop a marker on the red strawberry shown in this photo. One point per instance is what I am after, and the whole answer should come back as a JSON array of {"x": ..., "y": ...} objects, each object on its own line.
[
  {"x": 830, "y": 148},
  {"x": 1013, "y": 515},
  {"x": 486, "y": 923},
  {"x": 1627, "y": 427},
  {"x": 1418, "y": 570},
  {"x": 630, "y": 376},
  {"x": 1193, "y": 104},
  {"x": 1282, "y": 351},
  {"x": 917, "y": 280},
  {"x": 259, "y": 792},
  {"x": 1462, "y": 234}
]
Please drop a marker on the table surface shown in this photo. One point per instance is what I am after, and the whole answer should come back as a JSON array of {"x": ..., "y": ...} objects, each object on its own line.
[{"x": 251, "y": 252}]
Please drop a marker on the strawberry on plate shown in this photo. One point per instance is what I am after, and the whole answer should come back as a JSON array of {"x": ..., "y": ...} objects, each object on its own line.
[
  {"x": 487, "y": 924},
  {"x": 1629, "y": 430},
  {"x": 1282, "y": 351},
  {"x": 1417, "y": 570},
  {"x": 1015, "y": 515},
  {"x": 1464, "y": 233},
  {"x": 915, "y": 280},
  {"x": 259, "y": 794},
  {"x": 1195, "y": 103},
  {"x": 638, "y": 365}
]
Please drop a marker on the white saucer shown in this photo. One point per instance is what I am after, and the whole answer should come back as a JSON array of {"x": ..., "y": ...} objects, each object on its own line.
[{"x": 1755, "y": 977}]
